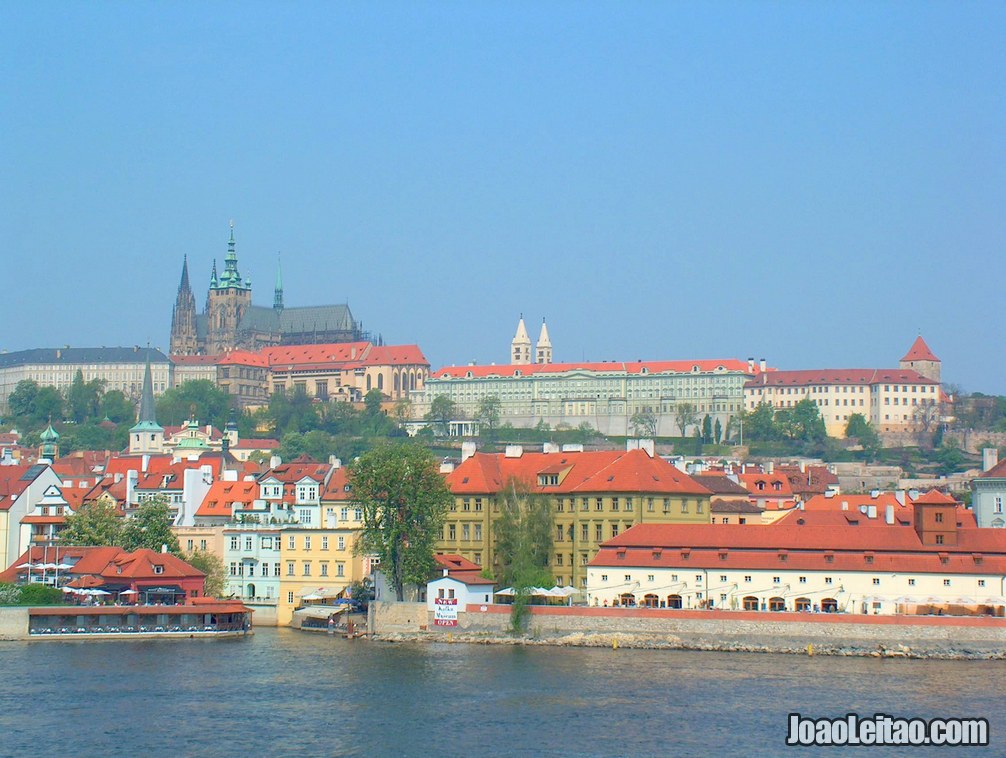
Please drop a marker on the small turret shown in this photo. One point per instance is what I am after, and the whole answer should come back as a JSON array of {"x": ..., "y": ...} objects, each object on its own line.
[
  {"x": 520, "y": 347},
  {"x": 543, "y": 351}
]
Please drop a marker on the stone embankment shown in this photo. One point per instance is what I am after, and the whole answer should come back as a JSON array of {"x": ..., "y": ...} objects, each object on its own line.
[
  {"x": 782, "y": 645},
  {"x": 944, "y": 637}
]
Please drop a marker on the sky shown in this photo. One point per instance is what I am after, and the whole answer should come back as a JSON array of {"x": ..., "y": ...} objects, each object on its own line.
[{"x": 810, "y": 183}]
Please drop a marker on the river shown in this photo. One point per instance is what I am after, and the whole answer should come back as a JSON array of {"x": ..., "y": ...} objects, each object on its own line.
[{"x": 288, "y": 693}]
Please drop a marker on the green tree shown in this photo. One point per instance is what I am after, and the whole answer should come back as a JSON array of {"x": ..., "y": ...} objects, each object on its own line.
[
  {"x": 48, "y": 404},
  {"x": 859, "y": 429},
  {"x": 402, "y": 411},
  {"x": 488, "y": 416},
  {"x": 293, "y": 413},
  {"x": 150, "y": 527},
  {"x": 856, "y": 426},
  {"x": 40, "y": 594},
  {"x": 759, "y": 424},
  {"x": 718, "y": 432},
  {"x": 211, "y": 565},
  {"x": 22, "y": 400},
  {"x": 404, "y": 500},
  {"x": 83, "y": 399},
  {"x": 93, "y": 524},
  {"x": 950, "y": 458},
  {"x": 117, "y": 407},
  {"x": 441, "y": 413},
  {"x": 684, "y": 415},
  {"x": 523, "y": 545},
  {"x": 643, "y": 423},
  {"x": 372, "y": 402},
  {"x": 200, "y": 398},
  {"x": 707, "y": 429},
  {"x": 801, "y": 422}
]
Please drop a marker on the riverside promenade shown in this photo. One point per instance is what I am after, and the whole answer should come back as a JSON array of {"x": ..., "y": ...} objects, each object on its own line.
[{"x": 749, "y": 631}]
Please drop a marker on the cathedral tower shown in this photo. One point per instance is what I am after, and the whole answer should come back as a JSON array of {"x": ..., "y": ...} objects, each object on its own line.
[
  {"x": 543, "y": 350},
  {"x": 520, "y": 347},
  {"x": 229, "y": 297},
  {"x": 183, "y": 317}
]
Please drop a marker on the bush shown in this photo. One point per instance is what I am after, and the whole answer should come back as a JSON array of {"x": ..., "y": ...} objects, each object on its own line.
[
  {"x": 10, "y": 594},
  {"x": 40, "y": 594}
]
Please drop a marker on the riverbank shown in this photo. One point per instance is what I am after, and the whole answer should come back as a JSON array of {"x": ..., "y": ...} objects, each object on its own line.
[
  {"x": 627, "y": 641},
  {"x": 952, "y": 638}
]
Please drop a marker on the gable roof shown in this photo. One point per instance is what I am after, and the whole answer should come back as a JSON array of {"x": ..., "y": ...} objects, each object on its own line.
[
  {"x": 848, "y": 376},
  {"x": 222, "y": 494},
  {"x": 610, "y": 367}
]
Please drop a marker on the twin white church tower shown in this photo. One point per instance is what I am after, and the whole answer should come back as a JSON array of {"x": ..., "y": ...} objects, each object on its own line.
[{"x": 520, "y": 348}]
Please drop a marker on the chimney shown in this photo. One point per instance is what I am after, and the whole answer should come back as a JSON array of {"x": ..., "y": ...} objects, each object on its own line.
[
  {"x": 468, "y": 450},
  {"x": 334, "y": 462},
  {"x": 803, "y": 467},
  {"x": 275, "y": 461},
  {"x": 874, "y": 493},
  {"x": 889, "y": 515},
  {"x": 447, "y": 572},
  {"x": 647, "y": 447},
  {"x": 770, "y": 467},
  {"x": 845, "y": 505},
  {"x": 164, "y": 548},
  {"x": 513, "y": 451},
  {"x": 990, "y": 457},
  {"x": 871, "y": 511},
  {"x": 144, "y": 463},
  {"x": 899, "y": 495},
  {"x": 751, "y": 365},
  {"x": 231, "y": 475},
  {"x": 446, "y": 467},
  {"x": 762, "y": 365}
]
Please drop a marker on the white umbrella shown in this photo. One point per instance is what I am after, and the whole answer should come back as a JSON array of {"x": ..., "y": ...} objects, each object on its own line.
[
  {"x": 64, "y": 566},
  {"x": 312, "y": 596},
  {"x": 506, "y": 591},
  {"x": 25, "y": 566},
  {"x": 129, "y": 592},
  {"x": 46, "y": 566},
  {"x": 99, "y": 592},
  {"x": 68, "y": 589}
]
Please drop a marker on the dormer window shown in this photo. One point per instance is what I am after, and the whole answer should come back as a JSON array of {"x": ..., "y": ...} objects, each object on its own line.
[{"x": 158, "y": 569}]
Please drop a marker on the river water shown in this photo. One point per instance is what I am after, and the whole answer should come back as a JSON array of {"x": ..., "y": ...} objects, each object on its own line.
[{"x": 288, "y": 693}]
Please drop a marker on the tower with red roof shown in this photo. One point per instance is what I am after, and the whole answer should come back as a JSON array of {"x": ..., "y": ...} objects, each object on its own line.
[{"x": 920, "y": 358}]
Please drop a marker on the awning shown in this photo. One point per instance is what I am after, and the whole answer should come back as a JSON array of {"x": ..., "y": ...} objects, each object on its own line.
[
  {"x": 320, "y": 611},
  {"x": 322, "y": 593}
]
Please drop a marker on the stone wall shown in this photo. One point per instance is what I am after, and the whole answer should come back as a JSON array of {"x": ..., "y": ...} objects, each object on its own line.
[
  {"x": 13, "y": 623},
  {"x": 391, "y": 618},
  {"x": 740, "y": 629}
]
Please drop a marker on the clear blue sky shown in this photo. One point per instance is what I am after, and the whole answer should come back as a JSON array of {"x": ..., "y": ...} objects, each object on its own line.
[{"x": 813, "y": 183}]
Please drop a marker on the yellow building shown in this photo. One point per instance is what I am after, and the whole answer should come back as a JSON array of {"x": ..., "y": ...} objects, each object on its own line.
[
  {"x": 594, "y": 497},
  {"x": 315, "y": 562}
]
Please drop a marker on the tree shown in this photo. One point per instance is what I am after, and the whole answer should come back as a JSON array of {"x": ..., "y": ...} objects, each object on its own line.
[
  {"x": 21, "y": 401},
  {"x": 684, "y": 415},
  {"x": 96, "y": 523},
  {"x": 211, "y": 565},
  {"x": 117, "y": 408},
  {"x": 402, "y": 411},
  {"x": 859, "y": 429},
  {"x": 523, "y": 545},
  {"x": 759, "y": 424},
  {"x": 47, "y": 405},
  {"x": 404, "y": 502},
  {"x": 644, "y": 423},
  {"x": 718, "y": 432},
  {"x": 150, "y": 527},
  {"x": 372, "y": 402},
  {"x": 856, "y": 426},
  {"x": 488, "y": 416},
  {"x": 801, "y": 422},
  {"x": 441, "y": 413},
  {"x": 707, "y": 429},
  {"x": 200, "y": 398},
  {"x": 83, "y": 399}
]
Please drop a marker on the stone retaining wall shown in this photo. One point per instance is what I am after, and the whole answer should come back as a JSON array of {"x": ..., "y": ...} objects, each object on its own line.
[{"x": 14, "y": 623}]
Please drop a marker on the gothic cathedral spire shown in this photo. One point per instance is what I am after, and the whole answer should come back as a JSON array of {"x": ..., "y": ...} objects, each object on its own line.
[
  {"x": 277, "y": 299},
  {"x": 183, "y": 317}
]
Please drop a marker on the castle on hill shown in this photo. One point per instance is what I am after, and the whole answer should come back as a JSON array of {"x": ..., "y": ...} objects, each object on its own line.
[{"x": 230, "y": 321}]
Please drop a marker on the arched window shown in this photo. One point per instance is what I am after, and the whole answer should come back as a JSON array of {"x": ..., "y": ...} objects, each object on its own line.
[
  {"x": 368, "y": 382},
  {"x": 380, "y": 381},
  {"x": 802, "y": 604},
  {"x": 674, "y": 601},
  {"x": 627, "y": 598},
  {"x": 776, "y": 604},
  {"x": 829, "y": 605},
  {"x": 251, "y": 590},
  {"x": 750, "y": 603},
  {"x": 396, "y": 382},
  {"x": 651, "y": 600}
]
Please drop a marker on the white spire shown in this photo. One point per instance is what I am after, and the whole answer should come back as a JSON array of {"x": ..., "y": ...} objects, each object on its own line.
[
  {"x": 520, "y": 347},
  {"x": 543, "y": 352}
]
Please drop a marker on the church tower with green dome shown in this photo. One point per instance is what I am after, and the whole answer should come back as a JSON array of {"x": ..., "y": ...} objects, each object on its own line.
[
  {"x": 229, "y": 298},
  {"x": 147, "y": 436},
  {"x": 49, "y": 449}
]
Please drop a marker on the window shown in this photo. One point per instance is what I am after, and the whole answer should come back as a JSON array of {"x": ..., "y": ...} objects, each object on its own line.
[
  {"x": 324, "y": 569},
  {"x": 876, "y": 580},
  {"x": 265, "y": 569},
  {"x": 939, "y": 518},
  {"x": 358, "y": 514},
  {"x": 584, "y": 504},
  {"x": 289, "y": 597},
  {"x": 344, "y": 513},
  {"x": 307, "y": 542},
  {"x": 747, "y": 578},
  {"x": 583, "y": 532},
  {"x": 466, "y": 504},
  {"x": 341, "y": 543},
  {"x": 235, "y": 541},
  {"x": 776, "y": 580},
  {"x": 559, "y": 535},
  {"x": 939, "y": 538},
  {"x": 248, "y": 543},
  {"x": 307, "y": 568},
  {"x": 599, "y": 504},
  {"x": 614, "y": 530},
  {"x": 598, "y": 535},
  {"x": 684, "y": 506},
  {"x": 614, "y": 503},
  {"x": 649, "y": 577},
  {"x": 189, "y": 544},
  {"x": 478, "y": 504},
  {"x": 827, "y": 580},
  {"x": 234, "y": 569},
  {"x": 946, "y": 582},
  {"x": 911, "y": 582},
  {"x": 628, "y": 577},
  {"x": 997, "y": 505},
  {"x": 649, "y": 505},
  {"x": 604, "y": 577},
  {"x": 698, "y": 506},
  {"x": 304, "y": 515},
  {"x": 275, "y": 569},
  {"x": 981, "y": 582},
  {"x": 289, "y": 568},
  {"x": 340, "y": 569},
  {"x": 723, "y": 577},
  {"x": 667, "y": 505},
  {"x": 291, "y": 542},
  {"x": 324, "y": 543},
  {"x": 558, "y": 559},
  {"x": 452, "y": 532},
  {"x": 478, "y": 532},
  {"x": 202, "y": 544}
]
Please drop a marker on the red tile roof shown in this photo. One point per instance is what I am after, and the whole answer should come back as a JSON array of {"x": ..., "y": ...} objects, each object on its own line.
[
  {"x": 120, "y": 464},
  {"x": 919, "y": 351},
  {"x": 256, "y": 444},
  {"x": 935, "y": 497},
  {"x": 611, "y": 367},
  {"x": 879, "y": 548},
  {"x": 849, "y": 376},
  {"x": 344, "y": 355},
  {"x": 996, "y": 472},
  {"x": 244, "y": 358},
  {"x": 336, "y": 489},
  {"x": 766, "y": 485},
  {"x": 222, "y": 495},
  {"x": 602, "y": 471}
]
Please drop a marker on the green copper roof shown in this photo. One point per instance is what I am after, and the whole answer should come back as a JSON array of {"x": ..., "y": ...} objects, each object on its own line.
[
  {"x": 190, "y": 443},
  {"x": 49, "y": 435}
]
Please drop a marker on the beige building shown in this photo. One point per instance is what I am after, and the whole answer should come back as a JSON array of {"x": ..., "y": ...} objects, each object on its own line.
[
  {"x": 904, "y": 399},
  {"x": 315, "y": 564},
  {"x": 121, "y": 368}
]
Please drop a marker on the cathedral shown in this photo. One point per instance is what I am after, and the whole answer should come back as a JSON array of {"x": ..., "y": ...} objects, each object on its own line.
[{"x": 229, "y": 321}]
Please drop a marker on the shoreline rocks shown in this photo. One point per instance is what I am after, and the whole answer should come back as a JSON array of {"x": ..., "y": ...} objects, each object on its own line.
[{"x": 630, "y": 641}]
